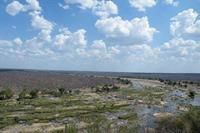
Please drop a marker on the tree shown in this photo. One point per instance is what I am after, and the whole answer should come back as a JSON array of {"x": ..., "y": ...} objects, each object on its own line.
[{"x": 61, "y": 91}]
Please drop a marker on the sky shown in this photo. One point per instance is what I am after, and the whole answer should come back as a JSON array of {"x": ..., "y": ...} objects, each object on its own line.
[{"x": 101, "y": 35}]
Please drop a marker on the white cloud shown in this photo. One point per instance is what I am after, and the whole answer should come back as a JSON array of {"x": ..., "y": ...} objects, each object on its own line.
[
  {"x": 18, "y": 41},
  {"x": 66, "y": 38},
  {"x": 39, "y": 22},
  {"x": 5, "y": 43},
  {"x": 42, "y": 24},
  {"x": 99, "y": 44},
  {"x": 172, "y": 2},
  {"x": 185, "y": 24},
  {"x": 63, "y": 6},
  {"x": 84, "y": 4},
  {"x": 105, "y": 8},
  {"x": 98, "y": 50},
  {"x": 139, "y": 53},
  {"x": 179, "y": 48},
  {"x": 101, "y": 8},
  {"x": 130, "y": 32},
  {"x": 141, "y": 5},
  {"x": 14, "y": 8},
  {"x": 33, "y": 5}
]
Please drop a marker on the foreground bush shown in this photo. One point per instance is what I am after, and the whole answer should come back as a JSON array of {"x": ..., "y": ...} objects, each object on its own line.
[
  {"x": 6, "y": 94},
  {"x": 25, "y": 94},
  {"x": 188, "y": 122}
]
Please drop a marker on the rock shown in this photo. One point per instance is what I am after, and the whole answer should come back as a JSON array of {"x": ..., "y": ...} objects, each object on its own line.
[{"x": 162, "y": 115}]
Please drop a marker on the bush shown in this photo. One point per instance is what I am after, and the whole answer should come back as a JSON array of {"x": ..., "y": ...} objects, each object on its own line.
[
  {"x": 187, "y": 122},
  {"x": 107, "y": 88},
  {"x": 61, "y": 91},
  {"x": 34, "y": 94},
  {"x": 6, "y": 94},
  {"x": 161, "y": 80},
  {"x": 124, "y": 81},
  {"x": 191, "y": 94},
  {"x": 24, "y": 95}
]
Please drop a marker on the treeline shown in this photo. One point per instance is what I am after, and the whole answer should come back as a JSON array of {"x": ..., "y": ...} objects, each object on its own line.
[
  {"x": 32, "y": 94},
  {"x": 179, "y": 83},
  {"x": 124, "y": 81},
  {"x": 106, "y": 88}
]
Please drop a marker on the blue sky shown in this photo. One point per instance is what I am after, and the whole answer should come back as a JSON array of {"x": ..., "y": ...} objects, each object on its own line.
[{"x": 101, "y": 35}]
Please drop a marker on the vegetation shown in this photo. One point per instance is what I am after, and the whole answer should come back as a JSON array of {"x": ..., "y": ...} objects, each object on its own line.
[
  {"x": 124, "y": 81},
  {"x": 106, "y": 108},
  {"x": 6, "y": 94},
  {"x": 25, "y": 94},
  {"x": 187, "y": 122},
  {"x": 71, "y": 128},
  {"x": 191, "y": 94},
  {"x": 34, "y": 93},
  {"x": 107, "y": 88}
]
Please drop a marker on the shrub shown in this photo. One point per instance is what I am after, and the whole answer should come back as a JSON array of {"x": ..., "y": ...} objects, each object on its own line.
[
  {"x": 161, "y": 80},
  {"x": 24, "y": 95},
  {"x": 6, "y": 94},
  {"x": 124, "y": 81},
  {"x": 34, "y": 94},
  {"x": 61, "y": 91},
  {"x": 191, "y": 94},
  {"x": 187, "y": 122},
  {"x": 107, "y": 88}
]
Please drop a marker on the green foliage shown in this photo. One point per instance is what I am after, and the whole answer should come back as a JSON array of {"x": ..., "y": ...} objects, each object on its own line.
[
  {"x": 126, "y": 129},
  {"x": 129, "y": 116},
  {"x": 124, "y": 81},
  {"x": 34, "y": 94},
  {"x": 191, "y": 94},
  {"x": 170, "y": 82},
  {"x": 24, "y": 94},
  {"x": 61, "y": 91},
  {"x": 6, "y": 94},
  {"x": 107, "y": 88},
  {"x": 71, "y": 128},
  {"x": 187, "y": 122}
]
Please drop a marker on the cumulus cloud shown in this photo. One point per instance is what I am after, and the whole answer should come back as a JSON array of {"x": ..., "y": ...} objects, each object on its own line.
[
  {"x": 40, "y": 23},
  {"x": 100, "y": 8},
  {"x": 128, "y": 32},
  {"x": 172, "y": 2},
  {"x": 84, "y": 4},
  {"x": 37, "y": 20},
  {"x": 141, "y": 5},
  {"x": 98, "y": 50},
  {"x": 14, "y": 8},
  {"x": 33, "y": 5},
  {"x": 105, "y": 8},
  {"x": 18, "y": 41},
  {"x": 185, "y": 24},
  {"x": 99, "y": 44},
  {"x": 180, "y": 48},
  {"x": 5, "y": 43},
  {"x": 66, "y": 38}
]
